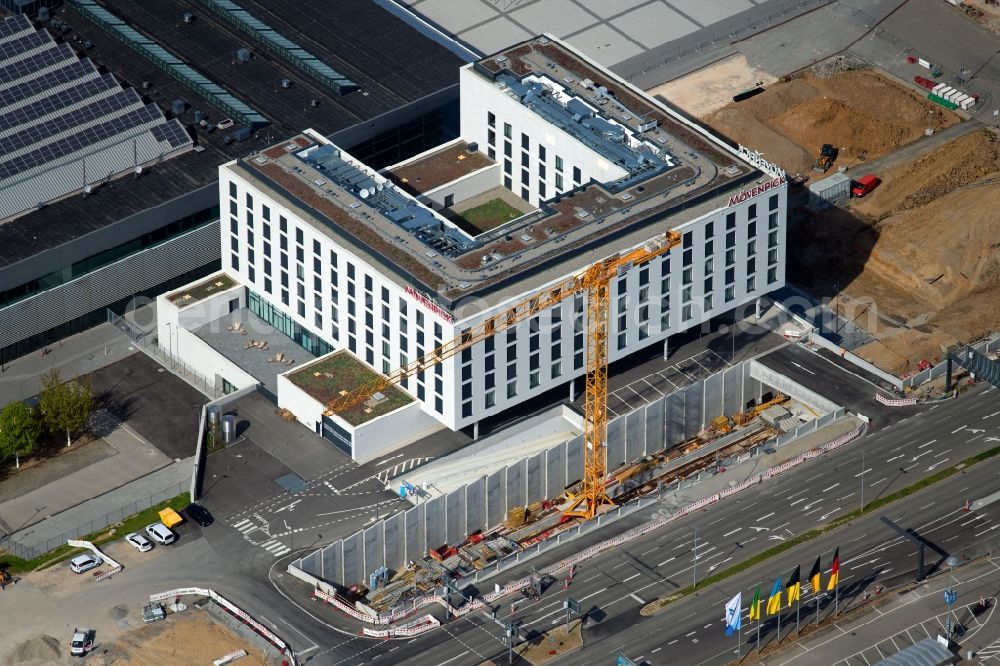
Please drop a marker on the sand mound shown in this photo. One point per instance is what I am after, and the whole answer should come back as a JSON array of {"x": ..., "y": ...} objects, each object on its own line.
[
  {"x": 958, "y": 163},
  {"x": 40, "y": 651},
  {"x": 856, "y": 110}
]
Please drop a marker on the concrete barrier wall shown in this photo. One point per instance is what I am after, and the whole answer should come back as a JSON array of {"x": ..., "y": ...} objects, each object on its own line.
[
  {"x": 790, "y": 388},
  {"x": 483, "y": 503}
]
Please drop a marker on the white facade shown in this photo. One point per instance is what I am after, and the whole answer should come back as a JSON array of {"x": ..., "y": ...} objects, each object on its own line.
[
  {"x": 538, "y": 160},
  {"x": 729, "y": 257}
]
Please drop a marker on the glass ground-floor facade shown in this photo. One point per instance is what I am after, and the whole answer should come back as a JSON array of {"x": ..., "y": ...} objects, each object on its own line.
[{"x": 309, "y": 341}]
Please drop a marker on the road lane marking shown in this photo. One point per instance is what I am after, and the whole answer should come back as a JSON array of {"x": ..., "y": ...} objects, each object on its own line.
[
  {"x": 864, "y": 471},
  {"x": 893, "y": 458},
  {"x": 631, "y": 577},
  {"x": 665, "y": 561},
  {"x": 959, "y": 429},
  {"x": 637, "y": 598},
  {"x": 448, "y": 661},
  {"x": 763, "y": 517},
  {"x": 733, "y": 532},
  {"x": 920, "y": 455},
  {"x": 927, "y": 444},
  {"x": 875, "y": 483},
  {"x": 593, "y": 593},
  {"x": 803, "y": 499},
  {"x": 926, "y": 506},
  {"x": 831, "y": 487}
]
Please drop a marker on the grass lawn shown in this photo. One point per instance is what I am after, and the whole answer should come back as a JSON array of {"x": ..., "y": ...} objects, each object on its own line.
[
  {"x": 486, "y": 216},
  {"x": 133, "y": 523},
  {"x": 201, "y": 290},
  {"x": 325, "y": 379}
]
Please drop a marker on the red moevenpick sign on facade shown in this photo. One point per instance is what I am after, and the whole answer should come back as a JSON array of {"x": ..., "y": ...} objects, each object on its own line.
[{"x": 740, "y": 197}]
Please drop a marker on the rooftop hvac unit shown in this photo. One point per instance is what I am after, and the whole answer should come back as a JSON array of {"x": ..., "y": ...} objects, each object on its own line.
[
  {"x": 188, "y": 17},
  {"x": 177, "y": 107},
  {"x": 243, "y": 55},
  {"x": 286, "y": 83}
]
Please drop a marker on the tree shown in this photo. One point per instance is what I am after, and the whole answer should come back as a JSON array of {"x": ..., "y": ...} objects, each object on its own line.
[
  {"x": 65, "y": 407},
  {"x": 19, "y": 430}
]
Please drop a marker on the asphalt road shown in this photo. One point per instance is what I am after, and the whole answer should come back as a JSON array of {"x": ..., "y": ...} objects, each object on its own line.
[{"x": 616, "y": 585}]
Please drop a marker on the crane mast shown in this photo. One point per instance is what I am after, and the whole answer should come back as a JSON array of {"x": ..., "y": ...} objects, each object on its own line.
[{"x": 596, "y": 282}]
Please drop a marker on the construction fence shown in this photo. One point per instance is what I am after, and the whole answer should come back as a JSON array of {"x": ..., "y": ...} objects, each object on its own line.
[
  {"x": 484, "y": 503},
  {"x": 24, "y": 546}
]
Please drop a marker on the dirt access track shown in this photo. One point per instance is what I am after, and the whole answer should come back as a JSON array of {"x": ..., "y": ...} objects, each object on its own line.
[
  {"x": 916, "y": 262},
  {"x": 856, "y": 109}
]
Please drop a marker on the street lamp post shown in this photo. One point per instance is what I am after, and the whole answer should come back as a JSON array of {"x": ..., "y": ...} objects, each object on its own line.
[{"x": 950, "y": 596}]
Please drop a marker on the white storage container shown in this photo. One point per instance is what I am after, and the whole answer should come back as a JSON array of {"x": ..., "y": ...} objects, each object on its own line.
[
  {"x": 968, "y": 104},
  {"x": 829, "y": 191},
  {"x": 959, "y": 98},
  {"x": 938, "y": 88}
]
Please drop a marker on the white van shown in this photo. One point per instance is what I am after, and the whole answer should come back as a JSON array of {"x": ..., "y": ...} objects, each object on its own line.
[{"x": 160, "y": 533}]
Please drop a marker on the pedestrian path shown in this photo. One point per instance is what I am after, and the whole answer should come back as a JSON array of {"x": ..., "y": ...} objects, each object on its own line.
[{"x": 257, "y": 534}]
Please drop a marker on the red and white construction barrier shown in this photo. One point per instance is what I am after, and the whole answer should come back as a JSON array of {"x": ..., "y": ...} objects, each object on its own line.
[
  {"x": 419, "y": 626},
  {"x": 231, "y": 657},
  {"x": 898, "y": 402}
]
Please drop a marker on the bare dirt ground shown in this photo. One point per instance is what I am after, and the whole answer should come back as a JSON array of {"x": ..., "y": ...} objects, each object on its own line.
[
  {"x": 917, "y": 262},
  {"x": 709, "y": 89},
  {"x": 838, "y": 102},
  {"x": 191, "y": 637}
]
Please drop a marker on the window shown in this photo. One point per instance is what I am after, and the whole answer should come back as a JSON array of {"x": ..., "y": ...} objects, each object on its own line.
[
  {"x": 686, "y": 294},
  {"x": 644, "y": 275},
  {"x": 731, "y": 239},
  {"x": 282, "y": 225},
  {"x": 525, "y": 142},
  {"x": 525, "y": 161},
  {"x": 772, "y": 256},
  {"x": 730, "y": 221},
  {"x": 541, "y": 189},
  {"x": 730, "y": 293},
  {"x": 730, "y": 275},
  {"x": 643, "y": 331},
  {"x": 556, "y": 369},
  {"x": 266, "y": 213},
  {"x": 622, "y": 340},
  {"x": 772, "y": 203},
  {"x": 319, "y": 320},
  {"x": 559, "y": 164},
  {"x": 686, "y": 313},
  {"x": 467, "y": 391},
  {"x": 298, "y": 236},
  {"x": 234, "y": 225},
  {"x": 249, "y": 200},
  {"x": 508, "y": 183},
  {"x": 772, "y": 239},
  {"x": 688, "y": 241},
  {"x": 491, "y": 152},
  {"x": 491, "y": 399},
  {"x": 577, "y": 176},
  {"x": 708, "y": 284},
  {"x": 709, "y": 248},
  {"x": 708, "y": 302},
  {"x": 772, "y": 221},
  {"x": 508, "y": 168},
  {"x": 688, "y": 257},
  {"x": 533, "y": 362},
  {"x": 751, "y": 265},
  {"x": 643, "y": 294},
  {"x": 466, "y": 409},
  {"x": 491, "y": 138},
  {"x": 525, "y": 193},
  {"x": 686, "y": 276},
  {"x": 541, "y": 153},
  {"x": 752, "y": 248},
  {"x": 508, "y": 131},
  {"x": 541, "y": 172},
  {"x": 772, "y": 274},
  {"x": 267, "y": 284},
  {"x": 751, "y": 230},
  {"x": 709, "y": 266},
  {"x": 730, "y": 257},
  {"x": 578, "y": 361},
  {"x": 511, "y": 390},
  {"x": 491, "y": 119},
  {"x": 234, "y": 243},
  {"x": 234, "y": 208},
  {"x": 709, "y": 229},
  {"x": 559, "y": 182},
  {"x": 438, "y": 405},
  {"x": 533, "y": 379},
  {"x": 508, "y": 149},
  {"x": 232, "y": 190},
  {"x": 524, "y": 177},
  {"x": 236, "y": 263},
  {"x": 511, "y": 371},
  {"x": 751, "y": 211},
  {"x": 751, "y": 284}
]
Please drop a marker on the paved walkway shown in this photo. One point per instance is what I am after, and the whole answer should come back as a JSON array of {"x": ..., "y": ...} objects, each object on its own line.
[
  {"x": 130, "y": 457},
  {"x": 75, "y": 356}
]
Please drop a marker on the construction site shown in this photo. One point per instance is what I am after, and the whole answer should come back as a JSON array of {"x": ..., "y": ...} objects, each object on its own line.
[
  {"x": 914, "y": 262},
  {"x": 724, "y": 440}
]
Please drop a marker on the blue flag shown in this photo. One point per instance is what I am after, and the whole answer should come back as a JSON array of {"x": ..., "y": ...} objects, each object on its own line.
[{"x": 734, "y": 614}]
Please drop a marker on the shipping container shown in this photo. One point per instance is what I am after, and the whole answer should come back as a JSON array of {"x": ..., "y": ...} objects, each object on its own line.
[
  {"x": 968, "y": 104},
  {"x": 953, "y": 96},
  {"x": 938, "y": 88},
  {"x": 958, "y": 99},
  {"x": 943, "y": 102},
  {"x": 924, "y": 82},
  {"x": 829, "y": 191}
]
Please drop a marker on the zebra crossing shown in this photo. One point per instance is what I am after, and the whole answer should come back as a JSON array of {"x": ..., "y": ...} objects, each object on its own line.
[{"x": 248, "y": 527}]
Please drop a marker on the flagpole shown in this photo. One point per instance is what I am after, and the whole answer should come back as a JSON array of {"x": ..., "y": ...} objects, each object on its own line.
[
  {"x": 779, "y": 624},
  {"x": 757, "y": 611},
  {"x": 817, "y": 609},
  {"x": 739, "y": 639},
  {"x": 798, "y": 606}
]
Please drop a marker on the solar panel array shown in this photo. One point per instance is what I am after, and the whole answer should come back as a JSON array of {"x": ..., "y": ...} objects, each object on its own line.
[
  {"x": 64, "y": 126},
  {"x": 215, "y": 94},
  {"x": 17, "y": 25},
  {"x": 275, "y": 41}
]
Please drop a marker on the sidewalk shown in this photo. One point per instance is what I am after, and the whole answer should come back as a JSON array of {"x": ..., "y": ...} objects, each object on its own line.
[
  {"x": 901, "y": 618},
  {"x": 130, "y": 457},
  {"x": 75, "y": 356}
]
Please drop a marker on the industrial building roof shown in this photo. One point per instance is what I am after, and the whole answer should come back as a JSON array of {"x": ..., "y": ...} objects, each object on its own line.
[
  {"x": 390, "y": 63},
  {"x": 674, "y": 172},
  {"x": 64, "y": 126}
]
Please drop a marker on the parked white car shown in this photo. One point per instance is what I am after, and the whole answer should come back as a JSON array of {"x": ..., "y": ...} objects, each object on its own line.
[
  {"x": 160, "y": 533},
  {"x": 85, "y": 562},
  {"x": 139, "y": 542}
]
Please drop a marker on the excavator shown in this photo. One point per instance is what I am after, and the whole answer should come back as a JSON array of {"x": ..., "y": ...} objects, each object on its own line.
[{"x": 825, "y": 159}]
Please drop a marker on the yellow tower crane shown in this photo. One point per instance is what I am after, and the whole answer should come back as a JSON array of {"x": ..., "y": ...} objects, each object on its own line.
[{"x": 596, "y": 282}]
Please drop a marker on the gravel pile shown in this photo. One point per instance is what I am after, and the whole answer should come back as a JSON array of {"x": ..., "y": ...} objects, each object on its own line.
[{"x": 840, "y": 63}]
